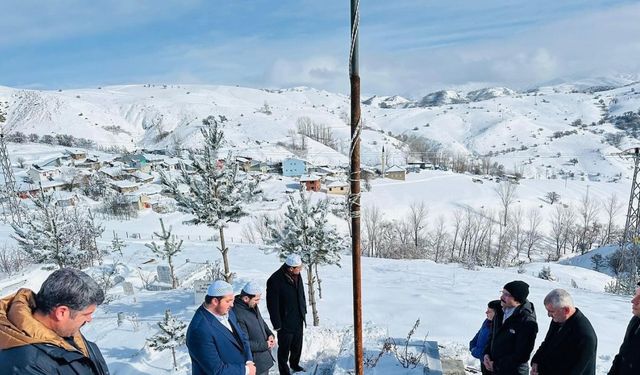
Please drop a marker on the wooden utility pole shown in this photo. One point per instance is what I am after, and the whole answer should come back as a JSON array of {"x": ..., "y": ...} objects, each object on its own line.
[{"x": 354, "y": 194}]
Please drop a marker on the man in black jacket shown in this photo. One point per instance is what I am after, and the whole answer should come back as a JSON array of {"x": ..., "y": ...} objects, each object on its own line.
[
  {"x": 40, "y": 333},
  {"x": 287, "y": 307},
  {"x": 627, "y": 361},
  {"x": 261, "y": 338},
  {"x": 570, "y": 345},
  {"x": 512, "y": 339}
]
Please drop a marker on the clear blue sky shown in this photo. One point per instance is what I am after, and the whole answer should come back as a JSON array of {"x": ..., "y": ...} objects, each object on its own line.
[{"x": 406, "y": 47}]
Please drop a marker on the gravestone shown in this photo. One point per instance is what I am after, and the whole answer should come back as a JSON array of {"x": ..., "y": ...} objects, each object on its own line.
[
  {"x": 164, "y": 274},
  {"x": 127, "y": 288},
  {"x": 121, "y": 318},
  {"x": 200, "y": 290}
]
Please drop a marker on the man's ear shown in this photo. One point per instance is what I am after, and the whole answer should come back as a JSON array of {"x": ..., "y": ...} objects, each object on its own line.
[{"x": 61, "y": 312}]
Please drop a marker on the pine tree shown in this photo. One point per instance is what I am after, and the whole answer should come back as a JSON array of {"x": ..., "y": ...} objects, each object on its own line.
[
  {"x": 172, "y": 334},
  {"x": 117, "y": 244},
  {"x": 216, "y": 191},
  {"x": 47, "y": 235},
  {"x": 170, "y": 248},
  {"x": 306, "y": 232}
]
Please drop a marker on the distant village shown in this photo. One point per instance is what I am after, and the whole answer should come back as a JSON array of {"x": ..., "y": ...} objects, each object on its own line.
[{"x": 137, "y": 175}]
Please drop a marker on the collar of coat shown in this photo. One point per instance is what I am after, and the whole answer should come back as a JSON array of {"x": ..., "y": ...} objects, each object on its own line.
[{"x": 18, "y": 327}]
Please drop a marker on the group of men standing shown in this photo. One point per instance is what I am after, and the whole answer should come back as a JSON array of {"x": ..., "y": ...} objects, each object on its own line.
[
  {"x": 228, "y": 336},
  {"x": 569, "y": 348},
  {"x": 40, "y": 332}
]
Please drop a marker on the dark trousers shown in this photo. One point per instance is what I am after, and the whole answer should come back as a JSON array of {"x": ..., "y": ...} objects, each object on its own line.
[{"x": 289, "y": 350}]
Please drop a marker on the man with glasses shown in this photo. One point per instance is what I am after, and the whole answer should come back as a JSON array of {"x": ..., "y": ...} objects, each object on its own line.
[
  {"x": 287, "y": 307},
  {"x": 512, "y": 339}
]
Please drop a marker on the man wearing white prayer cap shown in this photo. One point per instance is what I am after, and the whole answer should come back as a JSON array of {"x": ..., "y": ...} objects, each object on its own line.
[
  {"x": 215, "y": 341},
  {"x": 287, "y": 307},
  {"x": 251, "y": 322}
]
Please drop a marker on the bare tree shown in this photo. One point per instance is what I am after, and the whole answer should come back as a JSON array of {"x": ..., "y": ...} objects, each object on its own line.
[
  {"x": 440, "y": 238},
  {"x": 588, "y": 211},
  {"x": 372, "y": 223},
  {"x": 552, "y": 197},
  {"x": 518, "y": 227},
  {"x": 533, "y": 236},
  {"x": 612, "y": 207},
  {"x": 507, "y": 194},
  {"x": 417, "y": 220},
  {"x": 561, "y": 227}
]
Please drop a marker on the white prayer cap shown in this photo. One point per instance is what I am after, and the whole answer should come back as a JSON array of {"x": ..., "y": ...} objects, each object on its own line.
[
  {"x": 252, "y": 288},
  {"x": 219, "y": 288},
  {"x": 293, "y": 260}
]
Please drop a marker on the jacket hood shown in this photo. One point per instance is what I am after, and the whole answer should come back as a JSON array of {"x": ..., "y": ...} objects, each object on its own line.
[
  {"x": 527, "y": 311},
  {"x": 18, "y": 327},
  {"x": 240, "y": 304}
]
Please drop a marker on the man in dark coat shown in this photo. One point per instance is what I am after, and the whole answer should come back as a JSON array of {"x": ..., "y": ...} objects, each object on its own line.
[
  {"x": 216, "y": 344},
  {"x": 627, "y": 361},
  {"x": 287, "y": 307},
  {"x": 512, "y": 339},
  {"x": 40, "y": 333},
  {"x": 570, "y": 345},
  {"x": 261, "y": 338}
]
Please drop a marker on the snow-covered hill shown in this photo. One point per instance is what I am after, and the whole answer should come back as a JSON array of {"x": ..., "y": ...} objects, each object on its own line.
[{"x": 536, "y": 133}]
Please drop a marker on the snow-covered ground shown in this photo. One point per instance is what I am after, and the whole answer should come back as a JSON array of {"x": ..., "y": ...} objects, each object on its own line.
[{"x": 448, "y": 299}]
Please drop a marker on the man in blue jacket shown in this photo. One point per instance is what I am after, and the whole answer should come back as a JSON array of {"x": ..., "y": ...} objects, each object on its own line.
[{"x": 217, "y": 345}]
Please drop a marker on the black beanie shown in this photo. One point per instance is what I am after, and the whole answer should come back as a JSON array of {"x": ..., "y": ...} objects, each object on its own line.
[
  {"x": 518, "y": 289},
  {"x": 495, "y": 305}
]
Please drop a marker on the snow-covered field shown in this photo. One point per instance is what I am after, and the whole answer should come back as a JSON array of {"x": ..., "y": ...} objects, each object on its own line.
[{"x": 448, "y": 299}]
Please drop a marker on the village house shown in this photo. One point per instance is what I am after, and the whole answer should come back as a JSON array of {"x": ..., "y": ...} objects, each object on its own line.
[
  {"x": 139, "y": 200},
  {"x": 395, "y": 173},
  {"x": 114, "y": 173},
  {"x": 142, "y": 177},
  {"x": 338, "y": 188},
  {"x": 292, "y": 167},
  {"x": 76, "y": 154},
  {"x": 310, "y": 182},
  {"x": 39, "y": 174},
  {"x": 90, "y": 162},
  {"x": 124, "y": 186},
  {"x": 52, "y": 161},
  {"x": 137, "y": 161},
  {"x": 154, "y": 160},
  {"x": 244, "y": 163}
]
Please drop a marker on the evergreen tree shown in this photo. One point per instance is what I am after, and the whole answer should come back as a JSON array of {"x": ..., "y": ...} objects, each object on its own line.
[
  {"x": 216, "y": 190},
  {"x": 306, "y": 232},
  {"x": 170, "y": 248},
  {"x": 47, "y": 235},
  {"x": 117, "y": 244},
  {"x": 172, "y": 334}
]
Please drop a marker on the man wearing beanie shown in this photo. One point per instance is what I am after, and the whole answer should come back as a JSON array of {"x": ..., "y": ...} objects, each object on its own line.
[
  {"x": 287, "y": 307},
  {"x": 215, "y": 341},
  {"x": 512, "y": 338}
]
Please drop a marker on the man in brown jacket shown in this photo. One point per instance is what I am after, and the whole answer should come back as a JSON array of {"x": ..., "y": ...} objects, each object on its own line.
[{"x": 40, "y": 333}]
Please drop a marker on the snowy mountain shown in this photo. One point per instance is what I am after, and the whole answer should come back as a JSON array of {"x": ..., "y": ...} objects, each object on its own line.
[{"x": 535, "y": 133}]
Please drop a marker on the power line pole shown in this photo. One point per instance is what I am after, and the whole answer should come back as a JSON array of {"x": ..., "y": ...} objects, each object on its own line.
[
  {"x": 354, "y": 194},
  {"x": 8, "y": 192},
  {"x": 630, "y": 239}
]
